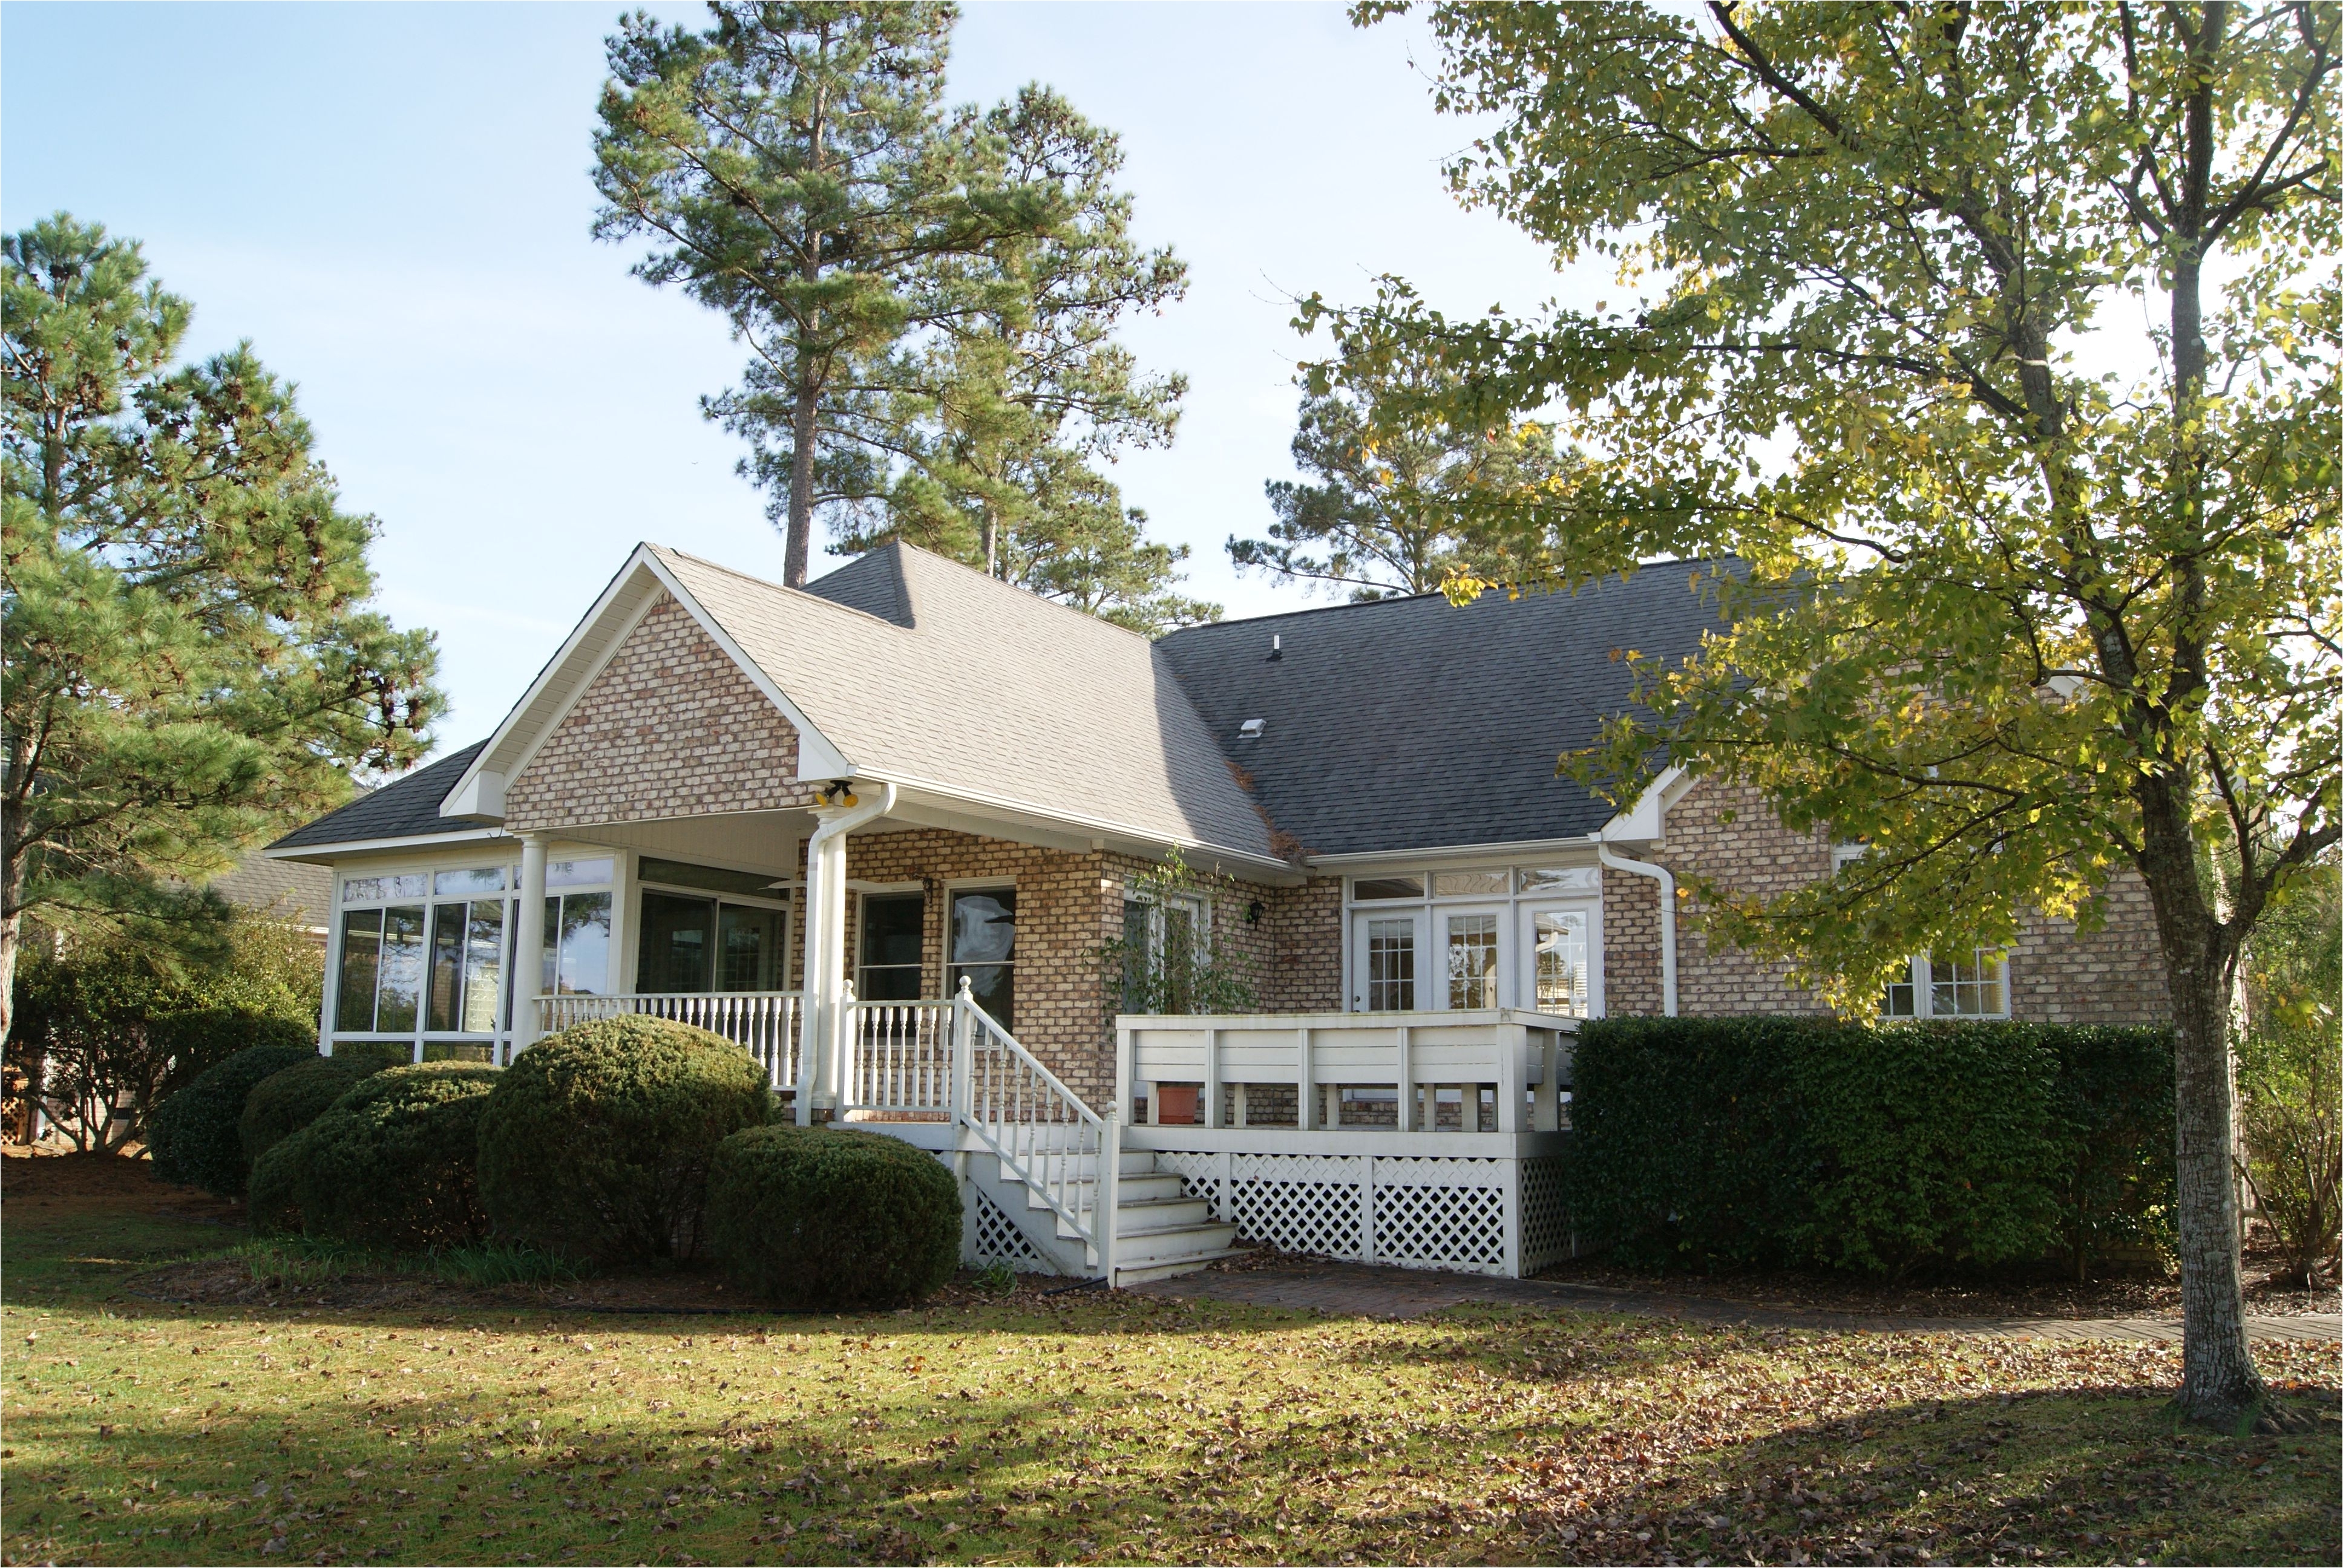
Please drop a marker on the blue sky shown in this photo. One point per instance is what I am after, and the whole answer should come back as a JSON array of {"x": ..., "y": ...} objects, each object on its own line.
[{"x": 391, "y": 202}]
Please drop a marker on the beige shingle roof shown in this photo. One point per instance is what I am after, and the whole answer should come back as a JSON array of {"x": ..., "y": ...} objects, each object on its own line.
[{"x": 925, "y": 672}]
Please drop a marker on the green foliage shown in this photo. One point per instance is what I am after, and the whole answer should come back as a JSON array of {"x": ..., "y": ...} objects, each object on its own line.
[
  {"x": 196, "y": 1137},
  {"x": 1873, "y": 1148},
  {"x": 824, "y": 1217},
  {"x": 1015, "y": 402},
  {"x": 596, "y": 1141},
  {"x": 391, "y": 1165},
  {"x": 2290, "y": 1074},
  {"x": 190, "y": 662},
  {"x": 1171, "y": 957},
  {"x": 284, "y": 1103},
  {"x": 1407, "y": 488},
  {"x": 118, "y": 1021}
]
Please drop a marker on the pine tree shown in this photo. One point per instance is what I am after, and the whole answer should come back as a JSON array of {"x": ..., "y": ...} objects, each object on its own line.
[
  {"x": 789, "y": 165},
  {"x": 1406, "y": 488},
  {"x": 1010, "y": 406},
  {"x": 189, "y": 665}
]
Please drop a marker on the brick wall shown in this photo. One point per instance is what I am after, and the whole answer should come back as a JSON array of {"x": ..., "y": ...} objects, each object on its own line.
[
  {"x": 1304, "y": 971},
  {"x": 1728, "y": 834},
  {"x": 670, "y": 727}
]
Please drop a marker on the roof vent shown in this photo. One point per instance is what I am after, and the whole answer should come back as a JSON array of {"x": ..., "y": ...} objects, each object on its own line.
[
  {"x": 1276, "y": 646},
  {"x": 1251, "y": 728}
]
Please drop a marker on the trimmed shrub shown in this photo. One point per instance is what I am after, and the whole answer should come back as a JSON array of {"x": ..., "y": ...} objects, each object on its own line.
[
  {"x": 831, "y": 1217},
  {"x": 284, "y": 1103},
  {"x": 392, "y": 1165},
  {"x": 596, "y": 1141},
  {"x": 1875, "y": 1149},
  {"x": 195, "y": 1136}
]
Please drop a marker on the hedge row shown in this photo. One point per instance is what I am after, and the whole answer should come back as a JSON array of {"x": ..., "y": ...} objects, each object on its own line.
[
  {"x": 1871, "y": 1148},
  {"x": 598, "y": 1145}
]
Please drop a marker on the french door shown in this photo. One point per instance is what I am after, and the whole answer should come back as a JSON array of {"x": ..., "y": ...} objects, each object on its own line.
[{"x": 1386, "y": 949}]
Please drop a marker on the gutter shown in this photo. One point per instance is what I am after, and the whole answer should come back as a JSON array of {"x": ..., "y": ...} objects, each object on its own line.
[{"x": 1618, "y": 862}]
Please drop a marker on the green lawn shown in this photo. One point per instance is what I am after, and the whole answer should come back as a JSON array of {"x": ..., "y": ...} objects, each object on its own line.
[{"x": 1079, "y": 1427}]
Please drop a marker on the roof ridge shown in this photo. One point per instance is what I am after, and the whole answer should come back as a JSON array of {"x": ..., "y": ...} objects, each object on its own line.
[
  {"x": 755, "y": 581},
  {"x": 1004, "y": 585},
  {"x": 1620, "y": 576}
]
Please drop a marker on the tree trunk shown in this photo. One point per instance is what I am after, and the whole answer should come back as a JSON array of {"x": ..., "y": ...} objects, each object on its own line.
[
  {"x": 802, "y": 438},
  {"x": 11, "y": 909},
  {"x": 2218, "y": 1381}
]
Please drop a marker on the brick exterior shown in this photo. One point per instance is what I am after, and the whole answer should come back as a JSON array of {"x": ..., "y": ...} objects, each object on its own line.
[
  {"x": 1728, "y": 834},
  {"x": 670, "y": 727}
]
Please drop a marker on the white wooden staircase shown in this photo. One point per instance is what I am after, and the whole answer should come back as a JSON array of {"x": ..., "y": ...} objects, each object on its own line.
[{"x": 1158, "y": 1229}]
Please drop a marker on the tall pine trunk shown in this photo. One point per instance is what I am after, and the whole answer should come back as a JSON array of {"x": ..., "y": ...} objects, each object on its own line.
[{"x": 802, "y": 436}]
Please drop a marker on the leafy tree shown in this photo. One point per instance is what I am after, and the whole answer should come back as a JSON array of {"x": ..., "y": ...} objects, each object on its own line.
[
  {"x": 107, "y": 1027},
  {"x": 189, "y": 665},
  {"x": 2290, "y": 1071},
  {"x": 2027, "y": 602},
  {"x": 1406, "y": 491},
  {"x": 1009, "y": 407},
  {"x": 789, "y": 165}
]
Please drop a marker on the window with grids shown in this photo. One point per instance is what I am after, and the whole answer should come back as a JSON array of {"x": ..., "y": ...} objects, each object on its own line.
[
  {"x": 1391, "y": 966},
  {"x": 1971, "y": 983}
]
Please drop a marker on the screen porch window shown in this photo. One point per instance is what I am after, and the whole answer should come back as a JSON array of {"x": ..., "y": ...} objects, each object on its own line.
[
  {"x": 1558, "y": 939},
  {"x": 700, "y": 942},
  {"x": 893, "y": 927},
  {"x": 984, "y": 948},
  {"x": 468, "y": 960},
  {"x": 1391, "y": 966},
  {"x": 1472, "y": 960},
  {"x": 424, "y": 955}
]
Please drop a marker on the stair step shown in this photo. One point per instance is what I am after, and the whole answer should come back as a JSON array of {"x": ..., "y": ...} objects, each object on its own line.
[
  {"x": 1140, "y": 1274},
  {"x": 1171, "y": 1246}
]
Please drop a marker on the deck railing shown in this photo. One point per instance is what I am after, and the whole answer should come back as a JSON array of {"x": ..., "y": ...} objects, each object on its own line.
[
  {"x": 1069, "y": 1155},
  {"x": 762, "y": 1022},
  {"x": 899, "y": 1059}
]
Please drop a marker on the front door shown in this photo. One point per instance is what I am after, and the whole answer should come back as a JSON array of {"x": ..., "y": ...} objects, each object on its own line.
[
  {"x": 1561, "y": 971},
  {"x": 1386, "y": 949}
]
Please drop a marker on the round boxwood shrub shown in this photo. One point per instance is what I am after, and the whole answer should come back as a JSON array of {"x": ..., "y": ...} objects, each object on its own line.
[
  {"x": 596, "y": 1141},
  {"x": 831, "y": 1217},
  {"x": 195, "y": 1136},
  {"x": 392, "y": 1165},
  {"x": 284, "y": 1103}
]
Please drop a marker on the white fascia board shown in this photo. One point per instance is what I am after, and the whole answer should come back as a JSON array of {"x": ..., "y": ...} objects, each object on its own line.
[
  {"x": 1646, "y": 819},
  {"x": 513, "y": 741},
  {"x": 817, "y": 757},
  {"x": 1514, "y": 849},
  {"x": 327, "y": 854},
  {"x": 917, "y": 792}
]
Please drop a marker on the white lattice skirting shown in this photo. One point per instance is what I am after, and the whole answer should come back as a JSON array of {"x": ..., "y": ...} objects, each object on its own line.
[
  {"x": 999, "y": 1240},
  {"x": 1482, "y": 1216}
]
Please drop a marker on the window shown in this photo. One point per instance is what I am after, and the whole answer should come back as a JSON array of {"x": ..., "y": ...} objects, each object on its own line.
[
  {"x": 1473, "y": 961},
  {"x": 577, "y": 957},
  {"x": 691, "y": 942},
  {"x": 893, "y": 927},
  {"x": 1459, "y": 884},
  {"x": 467, "y": 951},
  {"x": 984, "y": 948},
  {"x": 1558, "y": 940},
  {"x": 673, "y": 951},
  {"x": 1376, "y": 887},
  {"x": 1973, "y": 983},
  {"x": 1165, "y": 948},
  {"x": 1561, "y": 878},
  {"x": 1391, "y": 966}
]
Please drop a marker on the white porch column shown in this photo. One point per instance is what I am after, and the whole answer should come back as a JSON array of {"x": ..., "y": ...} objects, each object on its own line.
[
  {"x": 528, "y": 941},
  {"x": 820, "y": 1039}
]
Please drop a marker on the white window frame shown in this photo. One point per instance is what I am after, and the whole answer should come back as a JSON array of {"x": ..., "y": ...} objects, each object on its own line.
[
  {"x": 498, "y": 1037},
  {"x": 638, "y": 884},
  {"x": 1918, "y": 970},
  {"x": 1515, "y": 987}
]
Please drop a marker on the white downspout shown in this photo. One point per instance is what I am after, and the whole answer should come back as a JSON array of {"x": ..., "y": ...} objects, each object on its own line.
[
  {"x": 1617, "y": 862},
  {"x": 819, "y": 1039}
]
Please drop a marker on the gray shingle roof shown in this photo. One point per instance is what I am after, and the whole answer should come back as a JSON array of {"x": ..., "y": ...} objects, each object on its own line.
[
  {"x": 924, "y": 671},
  {"x": 1410, "y": 724},
  {"x": 406, "y": 808}
]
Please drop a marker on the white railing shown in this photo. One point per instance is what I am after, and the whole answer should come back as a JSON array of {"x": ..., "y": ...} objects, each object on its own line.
[
  {"x": 1524, "y": 1056},
  {"x": 899, "y": 1059},
  {"x": 762, "y": 1022},
  {"x": 1068, "y": 1154}
]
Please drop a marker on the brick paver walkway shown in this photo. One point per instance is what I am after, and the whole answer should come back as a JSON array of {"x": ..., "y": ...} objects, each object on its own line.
[{"x": 1356, "y": 1289}]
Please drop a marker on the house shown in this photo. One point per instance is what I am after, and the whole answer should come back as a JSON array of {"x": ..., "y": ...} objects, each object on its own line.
[{"x": 885, "y": 831}]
